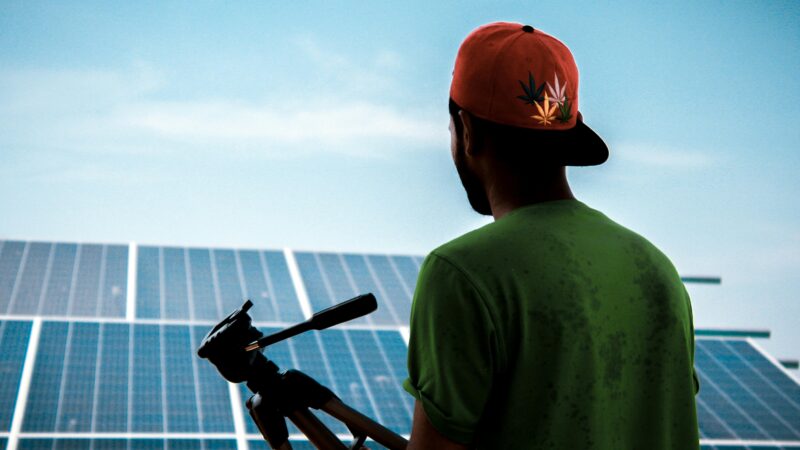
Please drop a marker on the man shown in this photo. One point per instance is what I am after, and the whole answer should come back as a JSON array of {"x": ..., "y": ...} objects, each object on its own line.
[{"x": 552, "y": 327}]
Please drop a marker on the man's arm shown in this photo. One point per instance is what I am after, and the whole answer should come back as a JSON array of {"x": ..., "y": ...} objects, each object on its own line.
[
  {"x": 424, "y": 436},
  {"x": 452, "y": 357}
]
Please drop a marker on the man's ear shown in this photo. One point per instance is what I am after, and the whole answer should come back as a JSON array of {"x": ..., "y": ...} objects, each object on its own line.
[{"x": 468, "y": 133}]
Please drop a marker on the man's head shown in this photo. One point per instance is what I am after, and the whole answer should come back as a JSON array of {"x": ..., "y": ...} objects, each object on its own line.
[
  {"x": 514, "y": 111},
  {"x": 484, "y": 150}
]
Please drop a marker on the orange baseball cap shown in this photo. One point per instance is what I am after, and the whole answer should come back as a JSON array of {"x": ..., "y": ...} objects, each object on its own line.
[{"x": 513, "y": 74}]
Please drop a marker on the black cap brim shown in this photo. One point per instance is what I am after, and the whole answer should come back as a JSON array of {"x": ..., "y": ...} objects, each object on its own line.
[{"x": 582, "y": 146}]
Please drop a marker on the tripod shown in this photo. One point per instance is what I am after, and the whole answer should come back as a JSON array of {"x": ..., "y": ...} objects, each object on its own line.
[{"x": 234, "y": 345}]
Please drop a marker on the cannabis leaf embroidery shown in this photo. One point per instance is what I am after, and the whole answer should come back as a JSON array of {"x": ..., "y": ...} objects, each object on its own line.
[
  {"x": 564, "y": 108},
  {"x": 558, "y": 94},
  {"x": 546, "y": 113},
  {"x": 532, "y": 93}
]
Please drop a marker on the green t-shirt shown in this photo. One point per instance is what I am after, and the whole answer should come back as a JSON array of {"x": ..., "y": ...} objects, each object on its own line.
[{"x": 554, "y": 328}]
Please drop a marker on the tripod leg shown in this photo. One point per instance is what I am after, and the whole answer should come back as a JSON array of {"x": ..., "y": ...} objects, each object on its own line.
[
  {"x": 270, "y": 422},
  {"x": 315, "y": 430},
  {"x": 360, "y": 422}
]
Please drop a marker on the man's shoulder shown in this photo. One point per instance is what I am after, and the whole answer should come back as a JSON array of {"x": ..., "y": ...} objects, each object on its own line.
[
  {"x": 527, "y": 226},
  {"x": 468, "y": 247},
  {"x": 542, "y": 232}
]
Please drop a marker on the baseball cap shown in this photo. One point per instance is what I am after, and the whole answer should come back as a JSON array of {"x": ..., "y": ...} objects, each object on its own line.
[{"x": 514, "y": 74}]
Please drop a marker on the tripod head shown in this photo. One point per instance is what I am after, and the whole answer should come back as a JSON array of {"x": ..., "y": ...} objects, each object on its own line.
[
  {"x": 223, "y": 346},
  {"x": 231, "y": 343}
]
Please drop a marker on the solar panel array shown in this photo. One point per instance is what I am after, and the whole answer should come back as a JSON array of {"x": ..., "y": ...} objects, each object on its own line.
[{"x": 89, "y": 362}]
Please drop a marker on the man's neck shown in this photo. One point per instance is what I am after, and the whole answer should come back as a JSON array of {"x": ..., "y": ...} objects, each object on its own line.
[{"x": 506, "y": 194}]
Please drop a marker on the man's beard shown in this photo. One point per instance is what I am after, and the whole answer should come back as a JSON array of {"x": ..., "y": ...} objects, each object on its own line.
[{"x": 475, "y": 192}]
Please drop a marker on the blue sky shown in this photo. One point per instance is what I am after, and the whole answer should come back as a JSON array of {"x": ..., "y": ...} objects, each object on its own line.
[{"x": 323, "y": 125}]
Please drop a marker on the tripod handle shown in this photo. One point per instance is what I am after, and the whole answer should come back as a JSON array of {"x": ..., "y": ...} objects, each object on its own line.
[
  {"x": 334, "y": 315},
  {"x": 347, "y": 310}
]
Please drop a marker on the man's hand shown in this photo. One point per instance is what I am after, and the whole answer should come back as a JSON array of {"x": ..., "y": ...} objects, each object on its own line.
[{"x": 424, "y": 436}]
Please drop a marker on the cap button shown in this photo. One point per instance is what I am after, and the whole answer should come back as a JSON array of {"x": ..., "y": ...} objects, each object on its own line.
[{"x": 527, "y": 28}]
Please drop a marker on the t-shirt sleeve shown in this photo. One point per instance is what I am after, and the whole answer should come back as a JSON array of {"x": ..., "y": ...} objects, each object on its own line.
[
  {"x": 691, "y": 333},
  {"x": 452, "y": 354}
]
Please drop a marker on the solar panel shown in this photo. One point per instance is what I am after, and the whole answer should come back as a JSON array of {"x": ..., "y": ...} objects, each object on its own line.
[
  {"x": 29, "y": 285},
  {"x": 59, "y": 284},
  {"x": 205, "y": 284},
  {"x": 111, "y": 399},
  {"x": 331, "y": 277},
  {"x": 10, "y": 257},
  {"x": 395, "y": 290},
  {"x": 101, "y": 379},
  {"x": 91, "y": 377},
  {"x": 43, "y": 398},
  {"x": 40, "y": 278},
  {"x": 362, "y": 276},
  {"x": 743, "y": 395},
  {"x": 13, "y": 347}
]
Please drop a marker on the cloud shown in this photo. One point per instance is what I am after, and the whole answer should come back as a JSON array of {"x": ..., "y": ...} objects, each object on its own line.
[
  {"x": 53, "y": 92},
  {"x": 658, "y": 156},
  {"x": 355, "y": 127},
  {"x": 133, "y": 110},
  {"x": 330, "y": 126}
]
